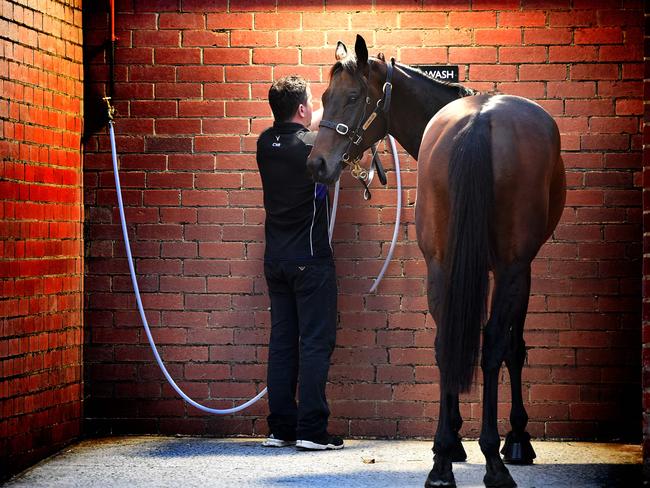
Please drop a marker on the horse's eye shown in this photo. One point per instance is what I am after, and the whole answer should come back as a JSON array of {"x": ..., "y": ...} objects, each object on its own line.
[{"x": 352, "y": 99}]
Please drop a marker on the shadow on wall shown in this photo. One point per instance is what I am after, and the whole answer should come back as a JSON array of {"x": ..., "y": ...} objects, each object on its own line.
[{"x": 96, "y": 52}]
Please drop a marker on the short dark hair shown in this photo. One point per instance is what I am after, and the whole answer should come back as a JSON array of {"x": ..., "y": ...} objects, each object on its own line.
[{"x": 285, "y": 95}]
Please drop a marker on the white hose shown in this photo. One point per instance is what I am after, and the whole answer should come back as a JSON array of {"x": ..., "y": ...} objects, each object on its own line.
[
  {"x": 393, "y": 148},
  {"x": 173, "y": 384},
  {"x": 335, "y": 205}
]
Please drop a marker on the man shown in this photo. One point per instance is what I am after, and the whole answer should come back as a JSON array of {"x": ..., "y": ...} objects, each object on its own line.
[{"x": 299, "y": 271}]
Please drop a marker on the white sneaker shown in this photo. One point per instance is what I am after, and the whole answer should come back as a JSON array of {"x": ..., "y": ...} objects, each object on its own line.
[
  {"x": 271, "y": 441},
  {"x": 328, "y": 442}
]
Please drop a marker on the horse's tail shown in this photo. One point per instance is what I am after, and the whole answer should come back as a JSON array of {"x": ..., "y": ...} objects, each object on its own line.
[{"x": 467, "y": 257}]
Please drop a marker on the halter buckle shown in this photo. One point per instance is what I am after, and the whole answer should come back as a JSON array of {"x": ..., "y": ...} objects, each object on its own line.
[
  {"x": 342, "y": 129},
  {"x": 356, "y": 139}
]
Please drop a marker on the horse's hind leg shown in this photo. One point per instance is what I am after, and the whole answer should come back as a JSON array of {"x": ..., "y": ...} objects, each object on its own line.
[
  {"x": 443, "y": 446},
  {"x": 517, "y": 448},
  {"x": 458, "y": 454},
  {"x": 449, "y": 420},
  {"x": 512, "y": 285}
]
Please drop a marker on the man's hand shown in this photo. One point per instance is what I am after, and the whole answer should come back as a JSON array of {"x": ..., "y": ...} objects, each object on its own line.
[{"x": 316, "y": 117}]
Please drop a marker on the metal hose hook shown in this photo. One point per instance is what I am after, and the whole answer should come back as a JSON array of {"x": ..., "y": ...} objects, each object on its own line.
[{"x": 136, "y": 289}]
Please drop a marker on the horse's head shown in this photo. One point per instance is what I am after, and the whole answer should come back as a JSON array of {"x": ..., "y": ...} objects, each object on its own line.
[{"x": 352, "y": 119}]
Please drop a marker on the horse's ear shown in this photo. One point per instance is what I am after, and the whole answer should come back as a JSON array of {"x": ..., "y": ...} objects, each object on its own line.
[
  {"x": 381, "y": 57},
  {"x": 361, "y": 50},
  {"x": 341, "y": 51}
]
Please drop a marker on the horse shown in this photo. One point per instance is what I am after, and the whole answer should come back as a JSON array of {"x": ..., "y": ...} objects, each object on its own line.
[{"x": 490, "y": 191}]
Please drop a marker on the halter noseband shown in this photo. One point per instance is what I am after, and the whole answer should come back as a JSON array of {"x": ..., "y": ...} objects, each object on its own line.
[{"x": 355, "y": 137}]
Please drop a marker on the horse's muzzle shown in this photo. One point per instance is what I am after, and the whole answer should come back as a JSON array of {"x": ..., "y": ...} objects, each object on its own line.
[{"x": 317, "y": 166}]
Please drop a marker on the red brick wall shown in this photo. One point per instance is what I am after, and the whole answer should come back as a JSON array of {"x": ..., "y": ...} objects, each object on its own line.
[
  {"x": 41, "y": 253},
  {"x": 191, "y": 82},
  {"x": 646, "y": 261}
]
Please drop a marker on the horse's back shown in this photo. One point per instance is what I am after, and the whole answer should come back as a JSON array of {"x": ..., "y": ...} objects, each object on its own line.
[{"x": 527, "y": 171}]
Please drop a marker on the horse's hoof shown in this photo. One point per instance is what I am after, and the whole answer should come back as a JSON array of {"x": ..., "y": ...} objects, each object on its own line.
[
  {"x": 458, "y": 454},
  {"x": 441, "y": 474},
  {"x": 517, "y": 449},
  {"x": 500, "y": 479},
  {"x": 436, "y": 479}
]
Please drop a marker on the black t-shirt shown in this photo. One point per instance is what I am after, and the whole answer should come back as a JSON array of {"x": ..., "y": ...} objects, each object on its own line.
[{"x": 297, "y": 209}]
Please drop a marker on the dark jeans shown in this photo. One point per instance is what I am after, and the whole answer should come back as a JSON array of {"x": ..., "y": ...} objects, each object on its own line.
[{"x": 303, "y": 334}]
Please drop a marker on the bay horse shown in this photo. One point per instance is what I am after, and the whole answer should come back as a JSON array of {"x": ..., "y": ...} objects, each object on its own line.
[{"x": 490, "y": 192}]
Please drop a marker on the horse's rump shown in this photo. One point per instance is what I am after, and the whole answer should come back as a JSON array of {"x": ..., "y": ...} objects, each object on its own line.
[{"x": 495, "y": 210}]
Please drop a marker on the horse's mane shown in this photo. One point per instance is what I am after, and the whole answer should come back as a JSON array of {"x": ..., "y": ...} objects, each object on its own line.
[
  {"x": 463, "y": 90},
  {"x": 349, "y": 65}
]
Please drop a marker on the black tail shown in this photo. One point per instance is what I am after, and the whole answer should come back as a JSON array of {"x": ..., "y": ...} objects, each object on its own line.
[{"x": 467, "y": 258}]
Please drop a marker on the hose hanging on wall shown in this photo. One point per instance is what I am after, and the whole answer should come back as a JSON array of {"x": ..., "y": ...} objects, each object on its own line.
[
  {"x": 136, "y": 289},
  {"x": 398, "y": 213},
  {"x": 127, "y": 245}
]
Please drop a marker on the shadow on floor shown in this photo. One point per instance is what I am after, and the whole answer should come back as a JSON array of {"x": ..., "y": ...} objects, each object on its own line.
[{"x": 144, "y": 461}]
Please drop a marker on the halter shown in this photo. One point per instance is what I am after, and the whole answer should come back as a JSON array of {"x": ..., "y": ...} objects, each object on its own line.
[{"x": 355, "y": 136}]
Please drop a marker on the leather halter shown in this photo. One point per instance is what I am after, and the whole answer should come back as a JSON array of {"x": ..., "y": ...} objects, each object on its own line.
[{"x": 355, "y": 136}]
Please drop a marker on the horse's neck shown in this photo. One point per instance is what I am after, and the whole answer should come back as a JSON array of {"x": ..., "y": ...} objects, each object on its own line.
[{"x": 415, "y": 101}]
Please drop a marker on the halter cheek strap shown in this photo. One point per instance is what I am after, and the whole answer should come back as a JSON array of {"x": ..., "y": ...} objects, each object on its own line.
[{"x": 388, "y": 86}]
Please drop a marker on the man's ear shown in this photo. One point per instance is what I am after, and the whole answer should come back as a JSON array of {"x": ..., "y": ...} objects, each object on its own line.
[
  {"x": 341, "y": 51},
  {"x": 361, "y": 51}
]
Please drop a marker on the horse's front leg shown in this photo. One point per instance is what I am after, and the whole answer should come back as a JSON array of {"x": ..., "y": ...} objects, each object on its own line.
[{"x": 517, "y": 448}]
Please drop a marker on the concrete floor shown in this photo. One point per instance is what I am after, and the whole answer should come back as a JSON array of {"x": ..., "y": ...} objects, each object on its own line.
[{"x": 132, "y": 462}]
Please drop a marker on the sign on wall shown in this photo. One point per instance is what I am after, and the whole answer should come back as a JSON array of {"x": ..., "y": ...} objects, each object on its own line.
[{"x": 441, "y": 72}]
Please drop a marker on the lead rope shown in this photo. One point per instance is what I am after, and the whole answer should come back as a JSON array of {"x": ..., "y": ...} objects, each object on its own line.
[{"x": 136, "y": 289}]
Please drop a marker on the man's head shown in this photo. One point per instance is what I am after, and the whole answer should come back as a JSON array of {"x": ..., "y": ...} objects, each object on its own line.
[{"x": 290, "y": 100}]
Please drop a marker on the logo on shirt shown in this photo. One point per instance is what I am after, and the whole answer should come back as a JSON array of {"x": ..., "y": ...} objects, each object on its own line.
[{"x": 277, "y": 143}]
